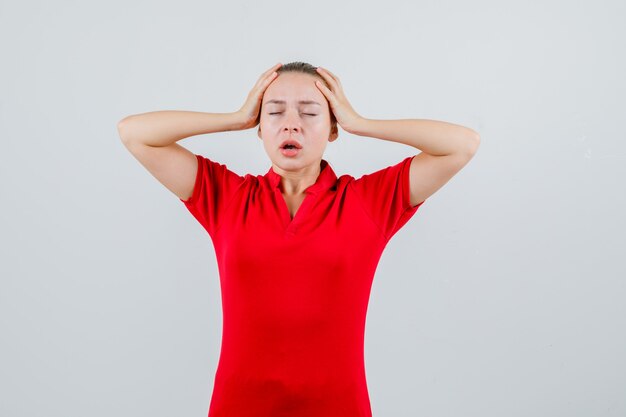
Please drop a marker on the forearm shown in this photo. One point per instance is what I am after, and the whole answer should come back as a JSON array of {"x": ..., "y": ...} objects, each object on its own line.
[
  {"x": 162, "y": 128},
  {"x": 430, "y": 136}
]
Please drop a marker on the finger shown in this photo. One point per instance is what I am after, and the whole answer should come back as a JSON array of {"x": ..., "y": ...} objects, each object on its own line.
[
  {"x": 329, "y": 84},
  {"x": 268, "y": 80},
  {"x": 325, "y": 90},
  {"x": 326, "y": 76},
  {"x": 335, "y": 87},
  {"x": 263, "y": 83},
  {"x": 271, "y": 69},
  {"x": 268, "y": 73},
  {"x": 332, "y": 75},
  {"x": 329, "y": 74},
  {"x": 259, "y": 91}
]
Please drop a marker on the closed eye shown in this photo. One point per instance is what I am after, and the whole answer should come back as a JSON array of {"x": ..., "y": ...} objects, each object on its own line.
[{"x": 308, "y": 114}]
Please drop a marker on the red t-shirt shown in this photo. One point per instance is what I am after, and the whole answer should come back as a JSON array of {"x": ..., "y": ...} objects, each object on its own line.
[{"x": 295, "y": 292}]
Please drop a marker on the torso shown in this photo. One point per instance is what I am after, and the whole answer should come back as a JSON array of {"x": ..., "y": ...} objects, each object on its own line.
[{"x": 295, "y": 292}]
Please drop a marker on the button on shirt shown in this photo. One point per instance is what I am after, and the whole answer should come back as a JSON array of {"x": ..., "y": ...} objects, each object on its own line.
[{"x": 295, "y": 291}]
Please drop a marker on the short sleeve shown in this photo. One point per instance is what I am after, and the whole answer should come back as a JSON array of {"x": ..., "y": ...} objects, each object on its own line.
[
  {"x": 385, "y": 195},
  {"x": 214, "y": 187}
]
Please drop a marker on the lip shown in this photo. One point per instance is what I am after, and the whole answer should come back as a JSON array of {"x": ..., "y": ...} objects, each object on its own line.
[
  {"x": 290, "y": 152},
  {"x": 291, "y": 142}
]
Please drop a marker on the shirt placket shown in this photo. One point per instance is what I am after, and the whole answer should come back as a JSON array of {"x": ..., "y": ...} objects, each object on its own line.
[{"x": 292, "y": 225}]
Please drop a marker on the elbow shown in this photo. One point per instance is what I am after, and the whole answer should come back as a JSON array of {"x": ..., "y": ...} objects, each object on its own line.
[
  {"x": 473, "y": 142},
  {"x": 122, "y": 128}
]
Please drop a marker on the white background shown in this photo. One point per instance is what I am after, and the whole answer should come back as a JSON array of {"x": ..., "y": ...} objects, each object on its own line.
[{"x": 503, "y": 296}]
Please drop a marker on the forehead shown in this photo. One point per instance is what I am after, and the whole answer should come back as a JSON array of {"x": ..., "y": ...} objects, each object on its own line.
[{"x": 293, "y": 88}]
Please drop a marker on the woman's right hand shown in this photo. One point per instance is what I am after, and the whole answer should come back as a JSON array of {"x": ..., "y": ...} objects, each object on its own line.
[{"x": 249, "y": 112}]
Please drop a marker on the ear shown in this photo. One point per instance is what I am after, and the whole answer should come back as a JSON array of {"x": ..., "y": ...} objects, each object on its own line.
[
  {"x": 334, "y": 133},
  {"x": 258, "y": 133}
]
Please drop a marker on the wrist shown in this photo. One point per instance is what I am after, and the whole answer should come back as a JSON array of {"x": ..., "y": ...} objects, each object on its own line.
[
  {"x": 357, "y": 126},
  {"x": 238, "y": 121}
]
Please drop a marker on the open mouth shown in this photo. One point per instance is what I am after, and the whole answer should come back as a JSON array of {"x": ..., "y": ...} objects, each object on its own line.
[
  {"x": 290, "y": 144},
  {"x": 290, "y": 150}
]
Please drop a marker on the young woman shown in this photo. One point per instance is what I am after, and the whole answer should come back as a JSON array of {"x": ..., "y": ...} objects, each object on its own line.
[{"x": 297, "y": 247}]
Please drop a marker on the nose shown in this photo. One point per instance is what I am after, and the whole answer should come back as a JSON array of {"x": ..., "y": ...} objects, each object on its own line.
[{"x": 292, "y": 122}]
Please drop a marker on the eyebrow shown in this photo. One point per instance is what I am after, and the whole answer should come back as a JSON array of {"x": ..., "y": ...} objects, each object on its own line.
[{"x": 299, "y": 102}]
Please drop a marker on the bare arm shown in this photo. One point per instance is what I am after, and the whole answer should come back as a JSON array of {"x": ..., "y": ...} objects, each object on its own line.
[
  {"x": 446, "y": 148},
  {"x": 163, "y": 128},
  {"x": 151, "y": 137}
]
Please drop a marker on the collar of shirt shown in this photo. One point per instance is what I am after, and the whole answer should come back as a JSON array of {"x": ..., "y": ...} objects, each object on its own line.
[{"x": 326, "y": 179}]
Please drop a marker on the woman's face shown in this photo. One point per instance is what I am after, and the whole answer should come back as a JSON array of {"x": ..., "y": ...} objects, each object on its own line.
[{"x": 294, "y": 108}]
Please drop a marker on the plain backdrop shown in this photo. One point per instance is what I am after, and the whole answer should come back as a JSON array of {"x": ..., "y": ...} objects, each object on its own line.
[{"x": 503, "y": 296}]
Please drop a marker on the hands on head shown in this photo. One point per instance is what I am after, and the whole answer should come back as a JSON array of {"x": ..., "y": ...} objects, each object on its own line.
[
  {"x": 250, "y": 109},
  {"x": 344, "y": 113},
  {"x": 339, "y": 104}
]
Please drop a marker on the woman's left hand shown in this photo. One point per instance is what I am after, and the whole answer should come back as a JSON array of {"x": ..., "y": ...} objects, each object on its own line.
[{"x": 346, "y": 117}]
